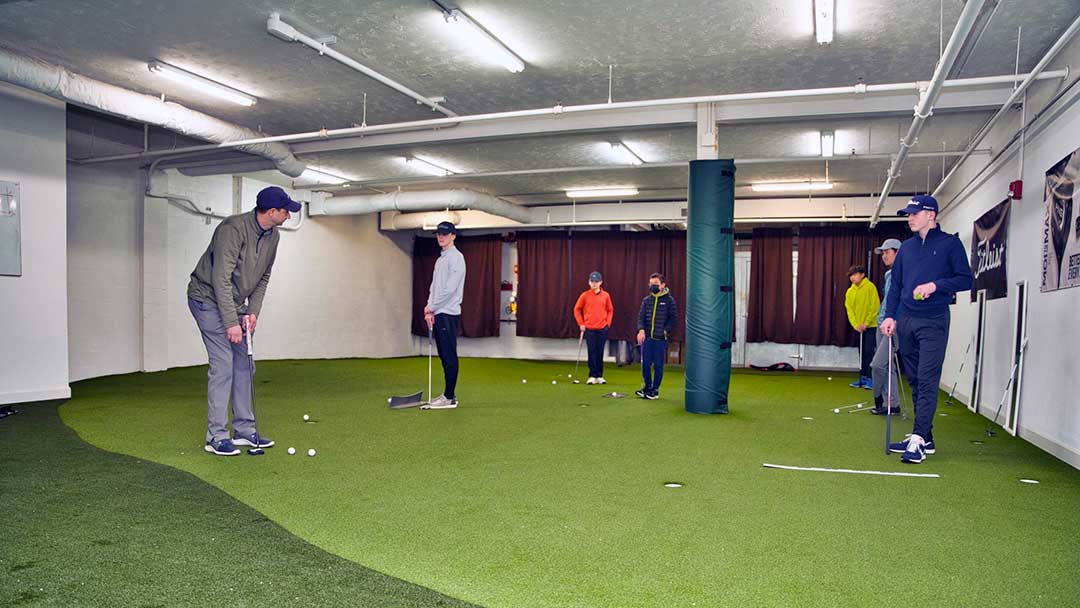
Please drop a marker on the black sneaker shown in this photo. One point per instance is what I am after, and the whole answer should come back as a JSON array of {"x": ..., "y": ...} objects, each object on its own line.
[
  {"x": 641, "y": 393},
  {"x": 882, "y": 411},
  {"x": 652, "y": 395}
]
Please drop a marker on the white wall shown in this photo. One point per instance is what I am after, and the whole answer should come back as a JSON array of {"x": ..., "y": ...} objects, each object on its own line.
[
  {"x": 1049, "y": 416},
  {"x": 34, "y": 323},
  {"x": 336, "y": 291}
]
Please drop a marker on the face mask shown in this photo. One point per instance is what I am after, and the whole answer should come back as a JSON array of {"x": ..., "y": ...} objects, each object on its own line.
[{"x": 654, "y": 288}]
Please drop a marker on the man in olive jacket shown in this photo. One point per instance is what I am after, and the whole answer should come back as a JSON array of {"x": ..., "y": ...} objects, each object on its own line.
[{"x": 225, "y": 295}]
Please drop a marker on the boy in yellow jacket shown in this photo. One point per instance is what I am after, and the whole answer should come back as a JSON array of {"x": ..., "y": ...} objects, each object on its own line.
[{"x": 862, "y": 304}]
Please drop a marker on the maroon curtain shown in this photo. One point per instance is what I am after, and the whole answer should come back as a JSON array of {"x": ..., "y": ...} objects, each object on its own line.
[
  {"x": 770, "y": 314},
  {"x": 481, "y": 300},
  {"x": 825, "y": 255},
  {"x": 554, "y": 269}
]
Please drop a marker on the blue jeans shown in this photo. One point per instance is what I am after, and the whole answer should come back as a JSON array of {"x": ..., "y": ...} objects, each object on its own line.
[
  {"x": 652, "y": 362},
  {"x": 922, "y": 347}
]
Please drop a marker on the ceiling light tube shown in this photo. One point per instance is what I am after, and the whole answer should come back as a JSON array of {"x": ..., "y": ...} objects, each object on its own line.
[
  {"x": 824, "y": 18},
  {"x": 490, "y": 46},
  {"x": 203, "y": 84},
  {"x": 828, "y": 143},
  {"x": 322, "y": 177},
  {"x": 426, "y": 166},
  {"x": 791, "y": 186},
  {"x": 602, "y": 192},
  {"x": 625, "y": 154}
]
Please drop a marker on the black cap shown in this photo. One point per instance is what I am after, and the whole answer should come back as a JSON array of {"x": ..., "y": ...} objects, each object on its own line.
[
  {"x": 446, "y": 228},
  {"x": 275, "y": 198},
  {"x": 596, "y": 276}
]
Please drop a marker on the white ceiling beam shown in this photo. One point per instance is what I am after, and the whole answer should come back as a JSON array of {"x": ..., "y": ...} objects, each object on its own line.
[{"x": 605, "y": 120}]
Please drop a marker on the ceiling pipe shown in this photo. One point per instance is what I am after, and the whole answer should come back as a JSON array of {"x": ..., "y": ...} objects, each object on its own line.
[
  {"x": 925, "y": 108},
  {"x": 426, "y": 200},
  {"x": 433, "y": 123},
  {"x": 57, "y": 82},
  {"x": 1052, "y": 52},
  {"x": 281, "y": 30}
]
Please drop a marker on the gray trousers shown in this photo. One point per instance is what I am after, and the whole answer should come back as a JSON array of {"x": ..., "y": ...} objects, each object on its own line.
[
  {"x": 879, "y": 369},
  {"x": 229, "y": 376}
]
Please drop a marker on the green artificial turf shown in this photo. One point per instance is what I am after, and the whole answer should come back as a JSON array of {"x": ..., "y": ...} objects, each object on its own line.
[
  {"x": 541, "y": 495},
  {"x": 83, "y": 527}
]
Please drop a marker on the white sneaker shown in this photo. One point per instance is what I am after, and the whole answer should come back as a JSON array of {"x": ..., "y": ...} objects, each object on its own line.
[
  {"x": 440, "y": 403},
  {"x": 601, "y": 380},
  {"x": 591, "y": 380}
]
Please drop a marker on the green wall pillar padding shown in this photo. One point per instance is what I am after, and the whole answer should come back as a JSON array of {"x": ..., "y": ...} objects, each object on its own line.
[{"x": 710, "y": 285}]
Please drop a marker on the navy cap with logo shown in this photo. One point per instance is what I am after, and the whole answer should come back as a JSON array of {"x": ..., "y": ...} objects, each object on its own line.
[
  {"x": 446, "y": 228},
  {"x": 921, "y": 202},
  {"x": 275, "y": 198},
  {"x": 596, "y": 276}
]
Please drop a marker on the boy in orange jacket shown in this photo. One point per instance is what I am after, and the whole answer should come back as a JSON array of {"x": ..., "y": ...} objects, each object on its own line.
[{"x": 593, "y": 313}]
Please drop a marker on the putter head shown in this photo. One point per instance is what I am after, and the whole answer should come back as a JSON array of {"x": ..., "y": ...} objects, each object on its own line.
[
  {"x": 577, "y": 381},
  {"x": 256, "y": 451},
  {"x": 990, "y": 433}
]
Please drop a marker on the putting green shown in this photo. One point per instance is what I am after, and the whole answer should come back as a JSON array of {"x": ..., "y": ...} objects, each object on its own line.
[{"x": 551, "y": 495}]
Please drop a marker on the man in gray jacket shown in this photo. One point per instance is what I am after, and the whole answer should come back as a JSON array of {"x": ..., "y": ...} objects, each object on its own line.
[
  {"x": 443, "y": 311},
  {"x": 225, "y": 295}
]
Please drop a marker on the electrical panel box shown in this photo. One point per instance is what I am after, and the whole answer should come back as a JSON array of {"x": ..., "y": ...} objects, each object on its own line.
[{"x": 10, "y": 239}]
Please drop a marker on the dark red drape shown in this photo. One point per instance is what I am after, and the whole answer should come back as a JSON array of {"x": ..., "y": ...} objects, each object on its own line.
[
  {"x": 554, "y": 268},
  {"x": 770, "y": 311},
  {"x": 825, "y": 255},
  {"x": 481, "y": 300}
]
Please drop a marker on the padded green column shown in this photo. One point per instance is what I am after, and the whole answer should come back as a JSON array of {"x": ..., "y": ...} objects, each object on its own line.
[{"x": 710, "y": 285}]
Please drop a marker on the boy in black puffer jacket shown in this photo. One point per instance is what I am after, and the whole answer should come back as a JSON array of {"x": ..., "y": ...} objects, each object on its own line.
[{"x": 656, "y": 320}]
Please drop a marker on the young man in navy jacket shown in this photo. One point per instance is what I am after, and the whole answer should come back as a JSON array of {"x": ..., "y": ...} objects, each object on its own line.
[
  {"x": 656, "y": 321},
  {"x": 929, "y": 269}
]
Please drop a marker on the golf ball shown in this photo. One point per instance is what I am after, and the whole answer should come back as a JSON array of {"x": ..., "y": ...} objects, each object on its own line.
[
  {"x": 836, "y": 411},
  {"x": 859, "y": 406},
  {"x": 306, "y": 417},
  {"x": 569, "y": 375},
  {"x": 292, "y": 451},
  {"x": 523, "y": 380},
  {"x": 389, "y": 399},
  {"x": 830, "y": 378},
  {"x": 311, "y": 452},
  {"x": 553, "y": 382}
]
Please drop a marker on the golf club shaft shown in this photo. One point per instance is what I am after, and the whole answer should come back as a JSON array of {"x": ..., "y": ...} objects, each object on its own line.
[
  {"x": 430, "y": 339},
  {"x": 577, "y": 362},
  {"x": 888, "y": 399},
  {"x": 249, "y": 335}
]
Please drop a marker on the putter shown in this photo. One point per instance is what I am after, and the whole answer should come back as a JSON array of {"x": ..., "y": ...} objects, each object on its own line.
[
  {"x": 888, "y": 399},
  {"x": 415, "y": 399},
  {"x": 900, "y": 389},
  {"x": 577, "y": 363},
  {"x": 256, "y": 450},
  {"x": 1005, "y": 393},
  {"x": 952, "y": 391}
]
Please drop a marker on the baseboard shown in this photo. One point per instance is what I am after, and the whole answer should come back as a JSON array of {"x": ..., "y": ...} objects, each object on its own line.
[
  {"x": 1050, "y": 446},
  {"x": 42, "y": 395}
]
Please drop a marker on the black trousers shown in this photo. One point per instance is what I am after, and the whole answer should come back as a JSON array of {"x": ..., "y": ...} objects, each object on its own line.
[
  {"x": 869, "y": 346},
  {"x": 446, "y": 330},
  {"x": 922, "y": 347},
  {"x": 595, "y": 339}
]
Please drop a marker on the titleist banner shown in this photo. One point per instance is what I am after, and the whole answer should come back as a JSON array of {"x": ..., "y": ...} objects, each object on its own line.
[{"x": 989, "y": 243}]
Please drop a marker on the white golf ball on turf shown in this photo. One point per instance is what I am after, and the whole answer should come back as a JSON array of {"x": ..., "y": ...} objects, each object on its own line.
[
  {"x": 830, "y": 378},
  {"x": 859, "y": 406},
  {"x": 311, "y": 452},
  {"x": 389, "y": 399},
  {"x": 836, "y": 411},
  {"x": 523, "y": 380},
  {"x": 553, "y": 382},
  {"x": 569, "y": 375},
  {"x": 306, "y": 417},
  {"x": 292, "y": 451}
]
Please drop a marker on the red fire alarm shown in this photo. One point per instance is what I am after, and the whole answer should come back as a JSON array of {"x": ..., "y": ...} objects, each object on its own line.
[{"x": 1016, "y": 189}]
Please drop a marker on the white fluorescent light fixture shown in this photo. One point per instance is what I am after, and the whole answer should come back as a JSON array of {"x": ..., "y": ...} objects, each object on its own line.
[
  {"x": 488, "y": 45},
  {"x": 602, "y": 192},
  {"x": 791, "y": 186},
  {"x": 828, "y": 143},
  {"x": 824, "y": 18},
  {"x": 203, "y": 84},
  {"x": 322, "y": 177},
  {"x": 625, "y": 154},
  {"x": 426, "y": 166}
]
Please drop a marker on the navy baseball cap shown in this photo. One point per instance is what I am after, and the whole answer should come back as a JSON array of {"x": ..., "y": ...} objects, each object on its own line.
[
  {"x": 596, "y": 276},
  {"x": 275, "y": 198},
  {"x": 446, "y": 228},
  {"x": 921, "y": 202}
]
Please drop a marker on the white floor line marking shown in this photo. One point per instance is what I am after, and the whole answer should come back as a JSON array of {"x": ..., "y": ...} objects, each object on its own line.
[{"x": 853, "y": 471}]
